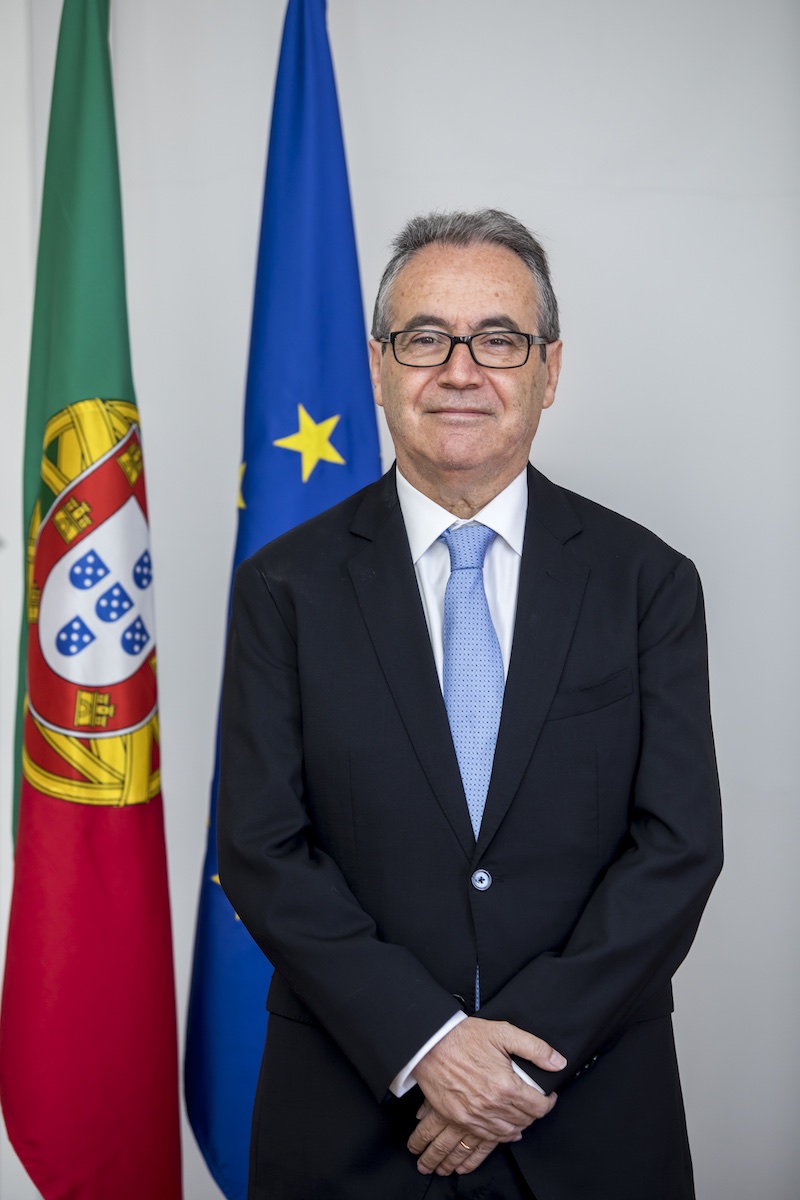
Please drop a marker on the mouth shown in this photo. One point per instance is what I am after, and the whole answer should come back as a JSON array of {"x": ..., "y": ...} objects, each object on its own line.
[{"x": 459, "y": 413}]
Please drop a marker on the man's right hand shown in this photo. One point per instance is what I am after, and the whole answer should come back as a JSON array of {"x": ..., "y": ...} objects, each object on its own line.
[{"x": 474, "y": 1097}]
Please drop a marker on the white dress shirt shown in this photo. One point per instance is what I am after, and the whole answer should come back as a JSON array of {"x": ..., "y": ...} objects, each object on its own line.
[{"x": 425, "y": 522}]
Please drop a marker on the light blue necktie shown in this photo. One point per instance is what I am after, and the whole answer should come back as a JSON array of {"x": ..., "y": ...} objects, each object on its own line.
[{"x": 473, "y": 664}]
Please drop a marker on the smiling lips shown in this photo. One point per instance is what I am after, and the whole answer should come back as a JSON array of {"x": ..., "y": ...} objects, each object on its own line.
[{"x": 459, "y": 412}]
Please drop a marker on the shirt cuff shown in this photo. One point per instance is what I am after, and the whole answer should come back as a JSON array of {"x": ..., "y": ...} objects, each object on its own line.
[
  {"x": 525, "y": 1077},
  {"x": 404, "y": 1080}
]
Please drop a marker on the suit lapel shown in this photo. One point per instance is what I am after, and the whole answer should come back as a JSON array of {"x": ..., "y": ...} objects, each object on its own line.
[
  {"x": 386, "y": 586},
  {"x": 551, "y": 587}
]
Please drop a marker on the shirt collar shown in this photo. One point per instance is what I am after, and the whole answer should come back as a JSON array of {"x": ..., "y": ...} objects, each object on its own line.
[{"x": 425, "y": 520}]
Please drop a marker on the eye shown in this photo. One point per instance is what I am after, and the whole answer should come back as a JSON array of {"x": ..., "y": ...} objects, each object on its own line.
[
  {"x": 424, "y": 337},
  {"x": 498, "y": 339}
]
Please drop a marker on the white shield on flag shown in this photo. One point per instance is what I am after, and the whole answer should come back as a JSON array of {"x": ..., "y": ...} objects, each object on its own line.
[
  {"x": 96, "y": 619},
  {"x": 91, "y": 648}
]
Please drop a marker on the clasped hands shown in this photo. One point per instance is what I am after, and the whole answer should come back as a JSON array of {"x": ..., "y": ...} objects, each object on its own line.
[{"x": 473, "y": 1098}]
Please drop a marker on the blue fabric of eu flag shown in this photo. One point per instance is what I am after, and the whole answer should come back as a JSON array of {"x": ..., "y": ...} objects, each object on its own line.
[{"x": 310, "y": 439}]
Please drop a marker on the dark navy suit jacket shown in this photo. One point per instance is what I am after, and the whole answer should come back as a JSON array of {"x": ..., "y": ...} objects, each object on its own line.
[{"x": 346, "y": 847}]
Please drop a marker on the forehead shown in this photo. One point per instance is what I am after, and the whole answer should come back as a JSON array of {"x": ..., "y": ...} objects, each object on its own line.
[{"x": 464, "y": 285}]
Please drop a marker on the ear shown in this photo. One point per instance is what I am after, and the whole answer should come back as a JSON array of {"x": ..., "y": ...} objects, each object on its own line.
[
  {"x": 376, "y": 353},
  {"x": 552, "y": 364}
]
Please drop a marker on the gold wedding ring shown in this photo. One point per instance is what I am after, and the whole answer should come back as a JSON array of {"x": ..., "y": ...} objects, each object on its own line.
[{"x": 466, "y": 1147}]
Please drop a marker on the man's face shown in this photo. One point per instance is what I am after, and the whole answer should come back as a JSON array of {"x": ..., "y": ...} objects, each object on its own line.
[{"x": 461, "y": 424}]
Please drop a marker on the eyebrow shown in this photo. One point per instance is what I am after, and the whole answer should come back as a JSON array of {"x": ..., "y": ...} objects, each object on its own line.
[{"x": 431, "y": 320}]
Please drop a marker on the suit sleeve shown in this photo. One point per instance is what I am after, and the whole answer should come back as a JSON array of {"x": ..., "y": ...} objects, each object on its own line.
[
  {"x": 374, "y": 998},
  {"x": 640, "y": 921}
]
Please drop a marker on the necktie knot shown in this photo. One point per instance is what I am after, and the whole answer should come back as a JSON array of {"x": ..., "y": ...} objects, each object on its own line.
[{"x": 468, "y": 545}]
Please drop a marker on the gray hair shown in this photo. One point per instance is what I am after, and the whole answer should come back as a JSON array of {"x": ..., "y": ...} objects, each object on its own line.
[{"x": 487, "y": 226}]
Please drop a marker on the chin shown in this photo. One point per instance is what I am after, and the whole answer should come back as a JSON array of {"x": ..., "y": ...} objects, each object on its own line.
[
  {"x": 465, "y": 446},
  {"x": 457, "y": 463}
]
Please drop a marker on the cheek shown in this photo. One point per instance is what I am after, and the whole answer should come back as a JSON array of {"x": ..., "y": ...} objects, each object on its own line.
[
  {"x": 398, "y": 402},
  {"x": 527, "y": 405},
  {"x": 520, "y": 408},
  {"x": 396, "y": 412}
]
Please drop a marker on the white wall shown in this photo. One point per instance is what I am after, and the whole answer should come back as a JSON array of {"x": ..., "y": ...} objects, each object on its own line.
[{"x": 655, "y": 149}]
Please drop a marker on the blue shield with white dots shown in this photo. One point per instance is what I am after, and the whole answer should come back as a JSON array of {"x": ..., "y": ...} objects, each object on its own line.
[{"x": 113, "y": 604}]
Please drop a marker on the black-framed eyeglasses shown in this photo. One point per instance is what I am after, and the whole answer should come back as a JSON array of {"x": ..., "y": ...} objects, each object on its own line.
[{"x": 500, "y": 349}]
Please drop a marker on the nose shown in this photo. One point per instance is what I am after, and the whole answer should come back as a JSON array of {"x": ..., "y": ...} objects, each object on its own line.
[{"x": 460, "y": 370}]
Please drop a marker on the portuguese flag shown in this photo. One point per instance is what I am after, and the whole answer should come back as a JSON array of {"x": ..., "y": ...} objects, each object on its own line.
[{"x": 88, "y": 1054}]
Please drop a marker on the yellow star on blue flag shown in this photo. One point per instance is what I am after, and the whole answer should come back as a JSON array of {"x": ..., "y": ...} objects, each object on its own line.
[{"x": 312, "y": 442}]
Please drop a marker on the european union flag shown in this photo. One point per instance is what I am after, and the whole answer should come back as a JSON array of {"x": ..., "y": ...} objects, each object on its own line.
[{"x": 310, "y": 439}]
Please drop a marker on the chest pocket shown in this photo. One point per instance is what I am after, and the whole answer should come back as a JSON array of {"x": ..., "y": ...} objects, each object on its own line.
[{"x": 595, "y": 695}]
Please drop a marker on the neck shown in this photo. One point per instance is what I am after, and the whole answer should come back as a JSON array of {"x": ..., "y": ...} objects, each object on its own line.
[{"x": 458, "y": 492}]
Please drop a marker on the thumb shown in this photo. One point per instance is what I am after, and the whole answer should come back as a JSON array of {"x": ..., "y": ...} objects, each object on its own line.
[{"x": 534, "y": 1049}]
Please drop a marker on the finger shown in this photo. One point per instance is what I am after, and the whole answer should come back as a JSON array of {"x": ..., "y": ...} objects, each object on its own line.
[
  {"x": 529, "y": 1110},
  {"x": 486, "y": 1128},
  {"x": 434, "y": 1124},
  {"x": 535, "y": 1049},
  {"x": 513, "y": 1105},
  {"x": 465, "y": 1157},
  {"x": 431, "y": 1127},
  {"x": 473, "y": 1160},
  {"x": 439, "y": 1150}
]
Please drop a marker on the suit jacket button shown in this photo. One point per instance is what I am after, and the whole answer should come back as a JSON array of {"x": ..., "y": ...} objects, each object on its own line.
[{"x": 481, "y": 880}]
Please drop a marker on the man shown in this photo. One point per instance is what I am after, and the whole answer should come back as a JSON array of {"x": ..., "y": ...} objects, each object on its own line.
[{"x": 469, "y": 805}]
